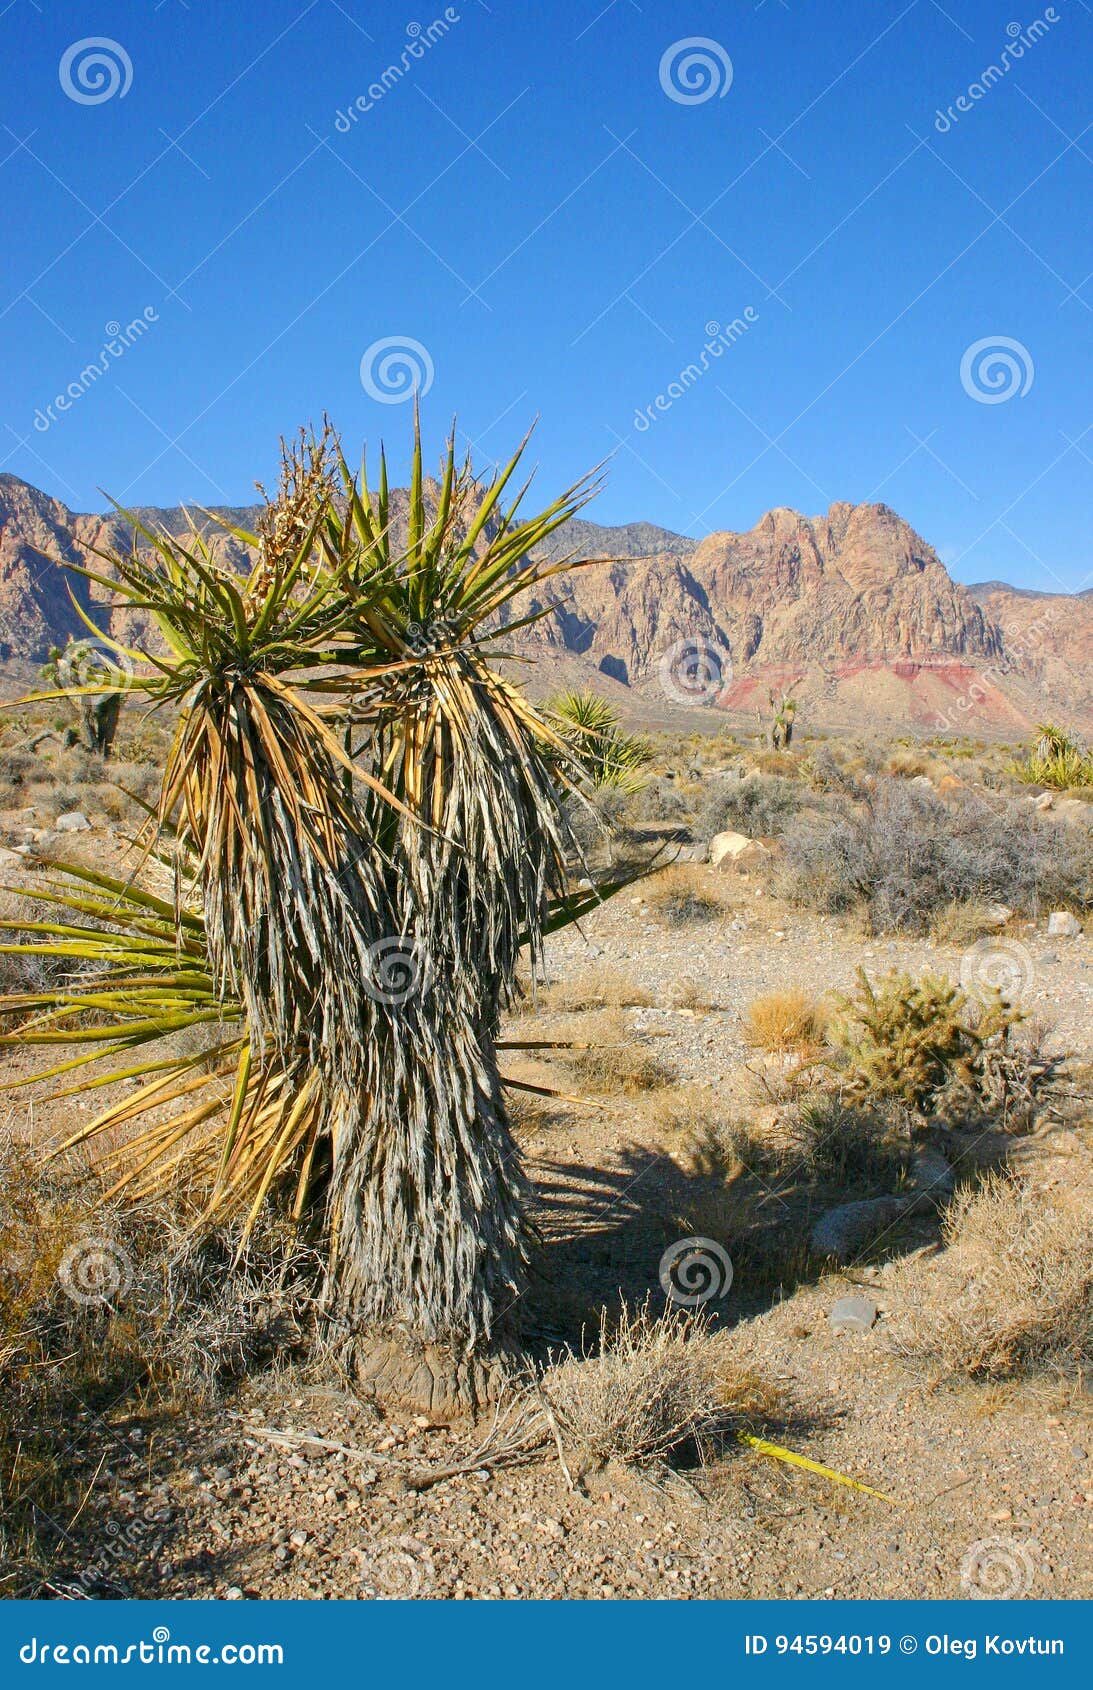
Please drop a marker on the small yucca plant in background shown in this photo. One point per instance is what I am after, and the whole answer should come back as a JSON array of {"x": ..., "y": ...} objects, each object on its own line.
[
  {"x": 1057, "y": 760},
  {"x": 591, "y": 728}
]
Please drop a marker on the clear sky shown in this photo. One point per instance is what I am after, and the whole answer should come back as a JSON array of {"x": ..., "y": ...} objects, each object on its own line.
[{"x": 553, "y": 208}]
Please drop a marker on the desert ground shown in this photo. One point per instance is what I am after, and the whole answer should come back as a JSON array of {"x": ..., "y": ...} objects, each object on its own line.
[{"x": 690, "y": 1085}]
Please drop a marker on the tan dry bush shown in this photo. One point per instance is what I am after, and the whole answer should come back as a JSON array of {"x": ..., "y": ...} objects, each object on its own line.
[
  {"x": 612, "y": 1060},
  {"x": 961, "y": 924},
  {"x": 600, "y": 987},
  {"x": 1014, "y": 1292},
  {"x": 653, "y": 1384},
  {"x": 686, "y": 893},
  {"x": 789, "y": 1020}
]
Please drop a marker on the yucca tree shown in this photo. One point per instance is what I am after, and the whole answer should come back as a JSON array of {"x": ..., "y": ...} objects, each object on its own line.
[
  {"x": 432, "y": 1243},
  {"x": 368, "y": 824},
  {"x": 592, "y": 730}
]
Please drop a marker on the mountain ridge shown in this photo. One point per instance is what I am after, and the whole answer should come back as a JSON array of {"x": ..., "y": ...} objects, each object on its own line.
[{"x": 851, "y": 609}]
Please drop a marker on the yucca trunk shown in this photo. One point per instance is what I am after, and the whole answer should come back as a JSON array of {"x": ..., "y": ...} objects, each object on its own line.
[{"x": 430, "y": 1250}]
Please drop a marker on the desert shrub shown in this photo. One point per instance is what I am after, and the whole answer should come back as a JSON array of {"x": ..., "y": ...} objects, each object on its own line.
[
  {"x": 789, "y": 1020},
  {"x": 962, "y": 924},
  {"x": 1014, "y": 1291},
  {"x": 598, "y": 987},
  {"x": 614, "y": 1061},
  {"x": 919, "y": 1041},
  {"x": 683, "y": 894},
  {"x": 761, "y": 804},
  {"x": 651, "y": 1385},
  {"x": 659, "y": 801},
  {"x": 900, "y": 853},
  {"x": 100, "y": 1304},
  {"x": 846, "y": 1144}
]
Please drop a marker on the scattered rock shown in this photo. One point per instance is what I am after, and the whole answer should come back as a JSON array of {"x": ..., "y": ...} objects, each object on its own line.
[
  {"x": 932, "y": 1181},
  {"x": 998, "y": 915},
  {"x": 73, "y": 821},
  {"x": 1046, "y": 801},
  {"x": 1062, "y": 925},
  {"x": 843, "y": 1231},
  {"x": 853, "y": 1314},
  {"x": 735, "y": 851}
]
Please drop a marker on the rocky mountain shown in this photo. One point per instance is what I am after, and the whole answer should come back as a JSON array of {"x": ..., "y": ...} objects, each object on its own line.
[{"x": 852, "y": 611}]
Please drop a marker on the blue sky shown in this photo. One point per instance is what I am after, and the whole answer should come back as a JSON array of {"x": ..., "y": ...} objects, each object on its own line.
[{"x": 536, "y": 223}]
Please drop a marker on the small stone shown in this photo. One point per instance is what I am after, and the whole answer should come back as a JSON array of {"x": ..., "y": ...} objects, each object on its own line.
[
  {"x": 1045, "y": 801},
  {"x": 1062, "y": 925},
  {"x": 298, "y": 1538},
  {"x": 73, "y": 821},
  {"x": 233, "y": 1593},
  {"x": 1001, "y": 1515},
  {"x": 853, "y": 1314}
]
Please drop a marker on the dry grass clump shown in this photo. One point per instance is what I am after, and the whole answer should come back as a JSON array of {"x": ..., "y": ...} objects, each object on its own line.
[
  {"x": 608, "y": 1058},
  {"x": 789, "y": 1020},
  {"x": 652, "y": 1385},
  {"x": 599, "y": 987},
  {"x": 101, "y": 1306},
  {"x": 686, "y": 893},
  {"x": 1014, "y": 1292},
  {"x": 962, "y": 924}
]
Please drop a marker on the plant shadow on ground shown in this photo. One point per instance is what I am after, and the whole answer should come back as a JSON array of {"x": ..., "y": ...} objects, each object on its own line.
[{"x": 606, "y": 1231}]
